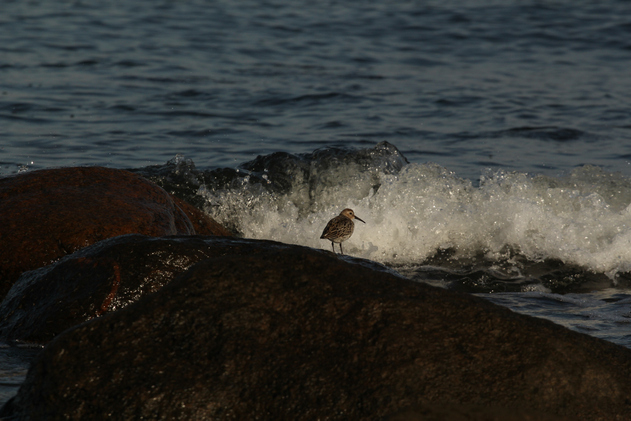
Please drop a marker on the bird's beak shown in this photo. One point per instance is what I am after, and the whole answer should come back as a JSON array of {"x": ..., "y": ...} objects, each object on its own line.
[{"x": 359, "y": 219}]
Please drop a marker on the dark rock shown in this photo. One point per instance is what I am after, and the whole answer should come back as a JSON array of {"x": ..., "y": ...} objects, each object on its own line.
[
  {"x": 455, "y": 412},
  {"x": 47, "y": 214},
  {"x": 100, "y": 278},
  {"x": 287, "y": 333}
]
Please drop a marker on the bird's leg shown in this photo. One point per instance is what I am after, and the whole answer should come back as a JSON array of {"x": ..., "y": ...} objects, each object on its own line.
[
  {"x": 333, "y": 246},
  {"x": 341, "y": 250}
]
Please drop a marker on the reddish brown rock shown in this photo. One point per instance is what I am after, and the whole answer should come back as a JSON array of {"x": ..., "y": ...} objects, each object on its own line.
[
  {"x": 289, "y": 333},
  {"x": 47, "y": 214}
]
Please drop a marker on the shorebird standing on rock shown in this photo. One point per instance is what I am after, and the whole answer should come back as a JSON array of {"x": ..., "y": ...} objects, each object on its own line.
[{"x": 340, "y": 228}]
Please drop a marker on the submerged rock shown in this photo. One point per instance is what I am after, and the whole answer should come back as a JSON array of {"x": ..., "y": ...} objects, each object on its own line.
[
  {"x": 47, "y": 214},
  {"x": 278, "y": 332}
]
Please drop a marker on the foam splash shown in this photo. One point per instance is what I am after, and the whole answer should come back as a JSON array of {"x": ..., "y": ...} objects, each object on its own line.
[{"x": 412, "y": 212}]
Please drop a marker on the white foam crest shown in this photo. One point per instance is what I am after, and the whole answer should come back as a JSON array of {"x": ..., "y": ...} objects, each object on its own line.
[{"x": 583, "y": 218}]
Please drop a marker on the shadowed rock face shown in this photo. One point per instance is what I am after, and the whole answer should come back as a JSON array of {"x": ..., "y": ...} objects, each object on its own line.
[
  {"x": 104, "y": 277},
  {"x": 47, "y": 214},
  {"x": 287, "y": 332},
  {"x": 455, "y": 412}
]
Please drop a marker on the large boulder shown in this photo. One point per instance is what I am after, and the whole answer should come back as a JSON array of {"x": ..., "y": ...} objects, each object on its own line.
[
  {"x": 104, "y": 277},
  {"x": 288, "y": 333},
  {"x": 47, "y": 214}
]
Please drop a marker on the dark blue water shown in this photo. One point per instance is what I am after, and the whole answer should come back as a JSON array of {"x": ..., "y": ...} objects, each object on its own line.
[
  {"x": 523, "y": 105},
  {"x": 525, "y": 85}
]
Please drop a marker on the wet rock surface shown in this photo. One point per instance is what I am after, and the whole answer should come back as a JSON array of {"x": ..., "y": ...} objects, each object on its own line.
[
  {"x": 286, "y": 332},
  {"x": 47, "y": 214},
  {"x": 103, "y": 277}
]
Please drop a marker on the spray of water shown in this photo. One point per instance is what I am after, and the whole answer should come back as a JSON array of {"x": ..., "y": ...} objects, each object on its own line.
[{"x": 414, "y": 210}]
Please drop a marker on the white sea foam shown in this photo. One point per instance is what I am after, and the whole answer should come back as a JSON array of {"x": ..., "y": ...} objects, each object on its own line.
[{"x": 583, "y": 218}]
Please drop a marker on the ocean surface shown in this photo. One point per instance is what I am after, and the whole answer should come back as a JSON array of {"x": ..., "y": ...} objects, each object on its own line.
[{"x": 487, "y": 144}]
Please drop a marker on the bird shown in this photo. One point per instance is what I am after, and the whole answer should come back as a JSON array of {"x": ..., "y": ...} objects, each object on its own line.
[{"x": 340, "y": 228}]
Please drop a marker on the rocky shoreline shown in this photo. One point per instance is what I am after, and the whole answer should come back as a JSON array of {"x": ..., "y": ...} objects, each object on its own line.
[{"x": 166, "y": 317}]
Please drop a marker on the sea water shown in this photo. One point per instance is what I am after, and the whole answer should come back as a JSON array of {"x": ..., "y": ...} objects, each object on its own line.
[{"x": 485, "y": 143}]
